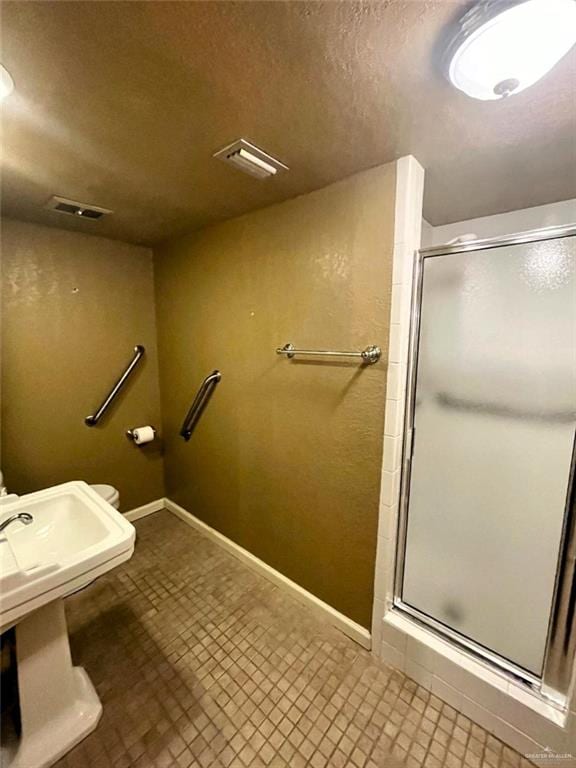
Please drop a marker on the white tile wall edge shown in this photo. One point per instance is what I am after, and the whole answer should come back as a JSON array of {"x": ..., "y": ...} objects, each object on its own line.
[
  {"x": 407, "y": 232},
  {"x": 350, "y": 628},
  {"x": 144, "y": 510},
  {"x": 511, "y": 712}
]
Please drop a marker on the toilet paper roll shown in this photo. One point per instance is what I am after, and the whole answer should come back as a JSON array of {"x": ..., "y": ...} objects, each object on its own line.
[{"x": 143, "y": 435}]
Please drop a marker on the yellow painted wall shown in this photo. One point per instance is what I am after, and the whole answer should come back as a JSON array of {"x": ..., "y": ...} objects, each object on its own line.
[
  {"x": 286, "y": 460},
  {"x": 74, "y": 306}
]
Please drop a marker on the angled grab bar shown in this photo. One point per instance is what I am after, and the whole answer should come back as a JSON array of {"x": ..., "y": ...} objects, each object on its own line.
[
  {"x": 91, "y": 421},
  {"x": 200, "y": 401}
]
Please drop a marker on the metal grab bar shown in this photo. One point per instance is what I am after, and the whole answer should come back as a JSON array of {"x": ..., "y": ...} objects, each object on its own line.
[
  {"x": 200, "y": 401},
  {"x": 91, "y": 421},
  {"x": 369, "y": 355}
]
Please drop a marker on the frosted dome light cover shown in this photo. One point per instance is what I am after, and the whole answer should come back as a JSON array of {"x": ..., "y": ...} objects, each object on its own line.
[
  {"x": 6, "y": 83},
  {"x": 496, "y": 54}
]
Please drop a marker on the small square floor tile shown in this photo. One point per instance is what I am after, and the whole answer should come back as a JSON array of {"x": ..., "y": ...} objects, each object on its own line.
[{"x": 201, "y": 663}]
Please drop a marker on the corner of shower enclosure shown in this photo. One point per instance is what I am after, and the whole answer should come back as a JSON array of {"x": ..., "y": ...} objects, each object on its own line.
[{"x": 541, "y": 260}]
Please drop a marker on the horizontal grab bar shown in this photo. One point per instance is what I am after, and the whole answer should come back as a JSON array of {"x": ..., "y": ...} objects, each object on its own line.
[
  {"x": 200, "y": 401},
  {"x": 369, "y": 355},
  {"x": 91, "y": 421}
]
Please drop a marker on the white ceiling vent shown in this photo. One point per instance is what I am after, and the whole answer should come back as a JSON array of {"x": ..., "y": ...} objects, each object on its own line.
[
  {"x": 250, "y": 159},
  {"x": 74, "y": 208}
]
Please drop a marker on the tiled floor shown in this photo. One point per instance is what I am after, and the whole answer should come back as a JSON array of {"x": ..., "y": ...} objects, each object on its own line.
[{"x": 200, "y": 662}]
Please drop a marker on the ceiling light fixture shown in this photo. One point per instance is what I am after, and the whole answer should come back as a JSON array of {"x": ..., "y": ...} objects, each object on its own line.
[
  {"x": 251, "y": 159},
  {"x": 6, "y": 83},
  {"x": 503, "y": 47}
]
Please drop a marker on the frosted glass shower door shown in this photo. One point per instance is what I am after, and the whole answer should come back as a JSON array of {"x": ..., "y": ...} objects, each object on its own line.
[{"x": 494, "y": 422}]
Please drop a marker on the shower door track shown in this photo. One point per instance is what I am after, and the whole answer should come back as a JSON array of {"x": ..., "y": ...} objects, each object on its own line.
[
  {"x": 466, "y": 644},
  {"x": 554, "y": 683}
]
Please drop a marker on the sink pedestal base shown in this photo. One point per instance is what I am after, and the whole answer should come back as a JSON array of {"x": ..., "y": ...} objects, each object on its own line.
[{"x": 58, "y": 703}]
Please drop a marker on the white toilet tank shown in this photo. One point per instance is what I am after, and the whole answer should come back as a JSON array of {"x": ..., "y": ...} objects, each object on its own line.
[{"x": 108, "y": 493}]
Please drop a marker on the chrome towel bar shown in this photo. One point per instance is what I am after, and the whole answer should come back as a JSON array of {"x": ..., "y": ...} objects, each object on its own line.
[
  {"x": 200, "y": 401},
  {"x": 91, "y": 421},
  {"x": 369, "y": 355}
]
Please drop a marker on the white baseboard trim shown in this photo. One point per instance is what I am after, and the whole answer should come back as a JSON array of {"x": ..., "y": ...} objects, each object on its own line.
[
  {"x": 350, "y": 628},
  {"x": 145, "y": 510}
]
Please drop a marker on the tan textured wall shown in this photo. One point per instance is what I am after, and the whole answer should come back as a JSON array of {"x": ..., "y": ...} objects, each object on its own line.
[
  {"x": 287, "y": 458},
  {"x": 74, "y": 306}
]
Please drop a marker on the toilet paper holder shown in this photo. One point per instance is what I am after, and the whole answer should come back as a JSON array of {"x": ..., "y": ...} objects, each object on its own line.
[{"x": 130, "y": 434}]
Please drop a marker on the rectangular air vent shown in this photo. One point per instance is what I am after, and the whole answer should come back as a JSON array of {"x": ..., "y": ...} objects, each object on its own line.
[
  {"x": 74, "y": 208},
  {"x": 250, "y": 159}
]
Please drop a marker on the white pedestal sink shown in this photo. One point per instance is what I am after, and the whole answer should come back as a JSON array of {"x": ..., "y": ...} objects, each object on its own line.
[{"x": 75, "y": 537}]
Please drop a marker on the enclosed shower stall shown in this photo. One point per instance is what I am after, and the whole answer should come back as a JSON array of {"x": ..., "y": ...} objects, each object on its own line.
[{"x": 486, "y": 544}]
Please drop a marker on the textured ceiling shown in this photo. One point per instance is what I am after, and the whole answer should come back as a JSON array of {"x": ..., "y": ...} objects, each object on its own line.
[{"x": 121, "y": 104}]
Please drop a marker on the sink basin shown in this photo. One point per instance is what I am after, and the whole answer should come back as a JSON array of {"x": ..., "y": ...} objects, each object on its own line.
[
  {"x": 64, "y": 527},
  {"x": 75, "y": 536}
]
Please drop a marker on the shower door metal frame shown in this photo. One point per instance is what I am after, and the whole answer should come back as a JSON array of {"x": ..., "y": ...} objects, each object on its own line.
[{"x": 559, "y": 654}]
